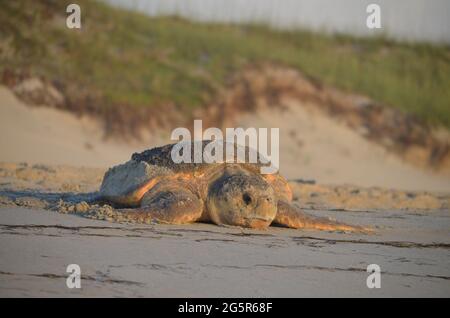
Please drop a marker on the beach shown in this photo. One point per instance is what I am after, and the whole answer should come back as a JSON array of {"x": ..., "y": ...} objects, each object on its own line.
[
  {"x": 203, "y": 260},
  {"x": 45, "y": 228}
]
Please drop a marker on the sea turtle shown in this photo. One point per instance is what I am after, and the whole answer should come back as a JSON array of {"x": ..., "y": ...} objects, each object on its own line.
[{"x": 152, "y": 187}]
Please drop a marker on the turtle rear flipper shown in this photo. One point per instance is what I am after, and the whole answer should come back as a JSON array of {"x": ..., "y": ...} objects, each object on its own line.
[{"x": 291, "y": 216}]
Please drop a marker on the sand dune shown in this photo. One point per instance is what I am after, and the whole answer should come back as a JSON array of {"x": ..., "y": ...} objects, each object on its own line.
[
  {"x": 315, "y": 146},
  {"x": 47, "y": 135},
  {"x": 312, "y": 145}
]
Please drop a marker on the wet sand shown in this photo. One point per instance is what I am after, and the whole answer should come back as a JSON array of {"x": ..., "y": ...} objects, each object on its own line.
[
  {"x": 39, "y": 239},
  {"x": 203, "y": 260}
]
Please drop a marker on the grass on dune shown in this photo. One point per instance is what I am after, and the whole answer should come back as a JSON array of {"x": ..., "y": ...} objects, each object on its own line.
[{"x": 131, "y": 59}]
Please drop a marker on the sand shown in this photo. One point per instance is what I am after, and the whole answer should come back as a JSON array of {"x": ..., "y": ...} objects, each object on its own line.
[
  {"x": 204, "y": 260},
  {"x": 52, "y": 161},
  {"x": 312, "y": 145},
  {"x": 48, "y": 135},
  {"x": 45, "y": 226}
]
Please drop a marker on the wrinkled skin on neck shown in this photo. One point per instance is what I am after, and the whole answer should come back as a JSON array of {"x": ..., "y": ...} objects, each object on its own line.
[{"x": 241, "y": 198}]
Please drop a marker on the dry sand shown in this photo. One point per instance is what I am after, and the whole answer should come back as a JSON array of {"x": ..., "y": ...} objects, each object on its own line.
[
  {"x": 316, "y": 147},
  {"x": 312, "y": 146},
  {"x": 48, "y": 135},
  {"x": 43, "y": 228}
]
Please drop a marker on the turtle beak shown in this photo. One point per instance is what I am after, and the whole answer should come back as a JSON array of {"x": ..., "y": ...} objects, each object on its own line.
[
  {"x": 258, "y": 218},
  {"x": 258, "y": 222}
]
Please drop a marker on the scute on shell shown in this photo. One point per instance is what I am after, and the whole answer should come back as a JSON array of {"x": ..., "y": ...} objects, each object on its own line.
[{"x": 162, "y": 156}]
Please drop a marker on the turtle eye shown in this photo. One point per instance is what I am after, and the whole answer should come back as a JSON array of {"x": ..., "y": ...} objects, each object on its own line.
[{"x": 247, "y": 198}]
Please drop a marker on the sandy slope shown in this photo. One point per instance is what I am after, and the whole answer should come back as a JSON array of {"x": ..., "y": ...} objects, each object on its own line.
[
  {"x": 313, "y": 146},
  {"x": 48, "y": 135}
]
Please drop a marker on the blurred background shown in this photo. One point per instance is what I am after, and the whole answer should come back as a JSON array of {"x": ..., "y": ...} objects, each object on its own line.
[
  {"x": 412, "y": 20},
  {"x": 354, "y": 105}
]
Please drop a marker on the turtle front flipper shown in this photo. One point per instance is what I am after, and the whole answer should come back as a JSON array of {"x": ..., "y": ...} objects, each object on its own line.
[
  {"x": 174, "y": 206},
  {"x": 291, "y": 216}
]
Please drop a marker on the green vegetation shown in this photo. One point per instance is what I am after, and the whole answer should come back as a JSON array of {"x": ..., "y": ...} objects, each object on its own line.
[{"x": 131, "y": 59}]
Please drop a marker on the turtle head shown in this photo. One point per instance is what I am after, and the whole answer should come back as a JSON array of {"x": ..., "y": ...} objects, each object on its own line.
[{"x": 242, "y": 199}]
